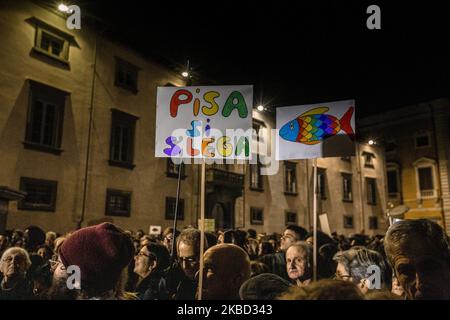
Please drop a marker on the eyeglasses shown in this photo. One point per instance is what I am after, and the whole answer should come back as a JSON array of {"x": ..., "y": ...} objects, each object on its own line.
[
  {"x": 141, "y": 254},
  {"x": 10, "y": 259},
  {"x": 54, "y": 264},
  {"x": 188, "y": 260}
]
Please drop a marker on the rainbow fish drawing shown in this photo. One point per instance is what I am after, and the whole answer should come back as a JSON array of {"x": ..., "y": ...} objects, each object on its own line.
[{"x": 314, "y": 126}]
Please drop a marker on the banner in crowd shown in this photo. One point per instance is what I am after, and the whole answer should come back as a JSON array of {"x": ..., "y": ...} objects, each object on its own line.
[
  {"x": 210, "y": 225},
  {"x": 204, "y": 122},
  {"x": 316, "y": 130},
  {"x": 154, "y": 230}
]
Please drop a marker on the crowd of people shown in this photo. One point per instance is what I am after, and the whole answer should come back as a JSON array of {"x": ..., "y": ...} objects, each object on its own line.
[{"x": 412, "y": 260}]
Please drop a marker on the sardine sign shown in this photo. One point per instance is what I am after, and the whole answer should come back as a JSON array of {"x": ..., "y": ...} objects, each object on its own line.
[
  {"x": 212, "y": 122},
  {"x": 316, "y": 131}
]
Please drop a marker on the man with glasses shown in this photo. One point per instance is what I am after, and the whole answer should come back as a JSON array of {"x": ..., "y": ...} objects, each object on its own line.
[
  {"x": 14, "y": 265},
  {"x": 277, "y": 261},
  {"x": 150, "y": 265},
  {"x": 182, "y": 275}
]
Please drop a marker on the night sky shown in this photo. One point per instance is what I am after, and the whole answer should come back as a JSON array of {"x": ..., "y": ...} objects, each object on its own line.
[{"x": 296, "y": 52}]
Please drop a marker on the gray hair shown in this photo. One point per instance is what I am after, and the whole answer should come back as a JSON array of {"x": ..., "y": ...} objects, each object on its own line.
[
  {"x": 308, "y": 249},
  {"x": 357, "y": 260},
  {"x": 191, "y": 236},
  {"x": 428, "y": 231},
  {"x": 19, "y": 250}
]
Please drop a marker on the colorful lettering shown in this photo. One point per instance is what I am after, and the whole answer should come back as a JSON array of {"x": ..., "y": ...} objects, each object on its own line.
[
  {"x": 224, "y": 147},
  {"x": 190, "y": 150},
  {"x": 175, "y": 101},
  {"x": 242, "y": 144},
  {"x": 205, "y": 151},
  {"x": 208, "y": 128},
  {"x": 209, "y": 97},
  {"x": 196, "y": 106},
  {"x": 235, "y": 101},
  {"x": 174, "y": 149},
  {"x": 194, "y": 132}
]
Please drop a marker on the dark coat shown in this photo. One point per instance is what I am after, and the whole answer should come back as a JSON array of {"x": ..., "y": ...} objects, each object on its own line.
[
  {"x": 180, "y": 286},
  {"x": 276, "y": 263},
  {"x": 153, "y": 288},
  {"x": 22, "y": 291}
]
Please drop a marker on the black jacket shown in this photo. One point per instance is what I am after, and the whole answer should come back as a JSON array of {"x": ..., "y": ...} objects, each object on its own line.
[
  {"x": 153, "y": 288},
  {"x": 276, "y": 263},
  {"x": 21, "y": 291}
]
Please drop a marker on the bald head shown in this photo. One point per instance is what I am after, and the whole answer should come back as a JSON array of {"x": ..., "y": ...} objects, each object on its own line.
[{"x": 227, "y": 266}]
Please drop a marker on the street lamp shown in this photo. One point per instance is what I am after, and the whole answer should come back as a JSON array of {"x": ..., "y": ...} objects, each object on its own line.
[
  {"x": 372, "y": 142},
  {"x": 186, "y": 73},
  {"x": 63, "y": 8},
  {"x": 260, "y": 108}
]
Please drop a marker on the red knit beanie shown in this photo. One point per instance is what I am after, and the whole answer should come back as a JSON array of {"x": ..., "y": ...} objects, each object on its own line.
[{"x": 101, "y": 252}]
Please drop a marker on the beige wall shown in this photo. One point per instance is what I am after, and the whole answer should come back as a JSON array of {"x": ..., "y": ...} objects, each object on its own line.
[
  {"x": 147, "y": 181},
  {"x": 401, "y": 125}
]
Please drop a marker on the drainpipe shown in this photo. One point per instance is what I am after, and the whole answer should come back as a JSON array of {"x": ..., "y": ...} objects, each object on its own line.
[
  {"x": 361, "y": 196},
  {"x": 308, "y": 205},
  {"x": 243, "y": 195},
  {"x": 88, "y": 148}
]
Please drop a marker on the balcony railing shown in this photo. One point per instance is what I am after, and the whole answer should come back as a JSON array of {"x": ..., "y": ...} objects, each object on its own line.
[
  {"x": 427, "y": 194},
  {"x": 225, "y": 178}
]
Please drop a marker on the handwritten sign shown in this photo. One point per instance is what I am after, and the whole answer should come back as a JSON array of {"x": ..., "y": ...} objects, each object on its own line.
[{"x": 204, "y": 122}]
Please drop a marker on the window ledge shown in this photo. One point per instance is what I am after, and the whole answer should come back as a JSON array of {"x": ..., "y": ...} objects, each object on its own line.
[
  {"x": 123, "y": 86},
  {"x": 175, "y": 175},
  {"x": 124, "y": 165},
  {"x": 51, "y": 56},
  {"x": 30, "y": 207},
  {"x": 257, "y": 189},
  {"x": 125, "y": 214},
  {"x": 257, "y": 223},
  {"x": 347, "y": 200},
  {"x": 43, "y": 148},
  {"x": 291, "y": 193}
]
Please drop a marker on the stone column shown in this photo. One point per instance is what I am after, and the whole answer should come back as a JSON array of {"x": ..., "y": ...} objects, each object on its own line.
[{"x": 441, "y": 119}]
